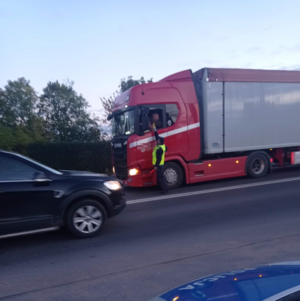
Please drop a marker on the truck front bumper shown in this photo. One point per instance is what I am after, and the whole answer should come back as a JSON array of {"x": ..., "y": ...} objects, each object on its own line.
[{"x": 140, "y": 180}]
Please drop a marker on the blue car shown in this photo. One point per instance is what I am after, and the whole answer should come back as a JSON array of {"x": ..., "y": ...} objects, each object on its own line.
[{"x": 280, "y": 281}]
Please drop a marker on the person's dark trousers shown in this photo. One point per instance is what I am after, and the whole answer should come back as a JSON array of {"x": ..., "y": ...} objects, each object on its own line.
[{"x": 161, "y": 180}]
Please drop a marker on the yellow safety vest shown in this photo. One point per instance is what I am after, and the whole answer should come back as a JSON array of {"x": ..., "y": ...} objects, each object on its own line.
[{"x": 162, "y": 162}]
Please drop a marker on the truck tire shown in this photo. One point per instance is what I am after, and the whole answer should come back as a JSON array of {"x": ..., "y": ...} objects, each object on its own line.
[
  {"x": 85, "y": 218},
  {"x": 173, "y": 174},
  {"x": 258, "y": 166}
]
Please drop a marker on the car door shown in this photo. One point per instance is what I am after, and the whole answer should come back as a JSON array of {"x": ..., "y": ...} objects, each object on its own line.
[{"x": 24, "y": 202}]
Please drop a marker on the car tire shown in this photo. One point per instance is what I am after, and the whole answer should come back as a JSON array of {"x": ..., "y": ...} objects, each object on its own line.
[
  {"x": 173, "y": 174},
  {"x": 86, "y": 218},
  {"x": 257, "y": 166}
]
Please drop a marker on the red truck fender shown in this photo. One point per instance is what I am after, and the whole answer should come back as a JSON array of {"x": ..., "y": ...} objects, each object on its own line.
[{"x": 182, "y": 163}]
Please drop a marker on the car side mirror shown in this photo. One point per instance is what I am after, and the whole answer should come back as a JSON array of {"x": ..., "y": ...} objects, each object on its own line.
[{"x": 40, "y": 177}]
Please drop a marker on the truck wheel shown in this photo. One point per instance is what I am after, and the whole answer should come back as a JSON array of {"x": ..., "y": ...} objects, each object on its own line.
[
  {"x": 257, "y": 166},
  {"x": 173, "y": 174},
  {"x": 85, "y": 218}
]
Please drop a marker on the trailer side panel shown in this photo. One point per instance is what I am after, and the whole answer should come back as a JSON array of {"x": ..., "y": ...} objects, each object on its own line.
[{"x": 261, "y": 115}]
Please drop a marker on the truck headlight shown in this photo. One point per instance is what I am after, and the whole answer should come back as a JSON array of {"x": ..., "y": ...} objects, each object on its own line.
[
  {"x": 133, "y": 171},
  {"x": 113, "y": 185}
]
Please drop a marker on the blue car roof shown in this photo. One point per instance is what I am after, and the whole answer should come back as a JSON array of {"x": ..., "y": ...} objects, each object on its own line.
[{"x": 269, "y": 282}]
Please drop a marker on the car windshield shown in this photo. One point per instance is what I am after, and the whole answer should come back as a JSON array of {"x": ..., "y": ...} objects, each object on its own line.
[
  {"x": 41, "y": 165},
  {"x": 123, "y": 124}
]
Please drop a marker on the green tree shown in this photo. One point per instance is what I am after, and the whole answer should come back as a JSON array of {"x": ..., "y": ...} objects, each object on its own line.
[
  {"x": 130, "y": 82},
  {"x": 7, "y": 139},
  {"x": 19, "y": 123},
  {"x": 15, "y": 139},
  {"x": 65, "y": 116},
  {"x": 18, "y": 102},
  {"x": 108, "y": 105}
]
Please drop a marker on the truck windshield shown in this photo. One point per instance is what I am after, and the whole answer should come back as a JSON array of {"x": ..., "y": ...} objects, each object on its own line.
[{"x": 123, "y": 124}]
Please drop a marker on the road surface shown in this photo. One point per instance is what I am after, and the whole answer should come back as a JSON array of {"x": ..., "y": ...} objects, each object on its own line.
[{"x": 158, "y": 243}]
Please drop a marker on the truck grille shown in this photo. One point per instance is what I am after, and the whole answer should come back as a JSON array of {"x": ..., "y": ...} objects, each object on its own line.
[
  {"x": 121, "y": 172},
  {"x": 120, "y": 159}
]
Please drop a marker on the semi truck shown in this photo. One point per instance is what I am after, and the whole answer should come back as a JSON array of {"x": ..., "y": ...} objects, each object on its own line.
[{"x": 217, "y": 123}]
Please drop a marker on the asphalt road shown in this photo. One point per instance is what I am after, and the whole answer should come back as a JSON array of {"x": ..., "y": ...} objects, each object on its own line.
[{"x": 157, "y": 244}]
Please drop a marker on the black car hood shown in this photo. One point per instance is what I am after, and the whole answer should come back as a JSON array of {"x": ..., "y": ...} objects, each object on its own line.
[{"x": 77, "y": 173}]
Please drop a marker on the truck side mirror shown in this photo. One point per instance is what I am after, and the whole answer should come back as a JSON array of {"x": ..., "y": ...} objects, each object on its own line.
[
  {"x": 145, "y": 123},
  {"x": 145, "y": 111}
]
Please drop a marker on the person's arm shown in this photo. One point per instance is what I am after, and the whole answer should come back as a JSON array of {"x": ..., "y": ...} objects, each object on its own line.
[
  {"x": 156, "y": 135},
  {"x": 159, "y": 154}
]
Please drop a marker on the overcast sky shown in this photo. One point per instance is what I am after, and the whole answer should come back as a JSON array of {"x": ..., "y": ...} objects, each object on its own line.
[{"x": 95, "y": 43}]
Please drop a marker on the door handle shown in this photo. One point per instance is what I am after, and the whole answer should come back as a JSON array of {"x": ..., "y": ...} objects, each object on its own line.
[{"x": 42, "y": 180}]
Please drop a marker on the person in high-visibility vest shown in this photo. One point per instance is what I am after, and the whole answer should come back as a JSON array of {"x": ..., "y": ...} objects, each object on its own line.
[{"x": 158, "y": 161}]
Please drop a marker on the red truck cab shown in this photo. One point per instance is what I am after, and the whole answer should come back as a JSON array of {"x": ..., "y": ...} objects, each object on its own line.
[{"x": 174, "y": 100}]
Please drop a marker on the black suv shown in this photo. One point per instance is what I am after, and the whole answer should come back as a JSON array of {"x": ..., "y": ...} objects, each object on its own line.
[{"x": 35, "y": 198}]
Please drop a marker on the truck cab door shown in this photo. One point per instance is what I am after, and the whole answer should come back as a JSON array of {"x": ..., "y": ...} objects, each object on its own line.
[{"x": 147, "y": 142}]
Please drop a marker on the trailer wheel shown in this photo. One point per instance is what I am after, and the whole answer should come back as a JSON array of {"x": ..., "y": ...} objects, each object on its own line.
[
  {"x": 257, "y": 166},
  {"x": 173, "y": 174}
]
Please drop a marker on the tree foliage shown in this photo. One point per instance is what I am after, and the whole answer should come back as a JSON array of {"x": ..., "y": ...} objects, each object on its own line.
[
  {"x": 108, "y": 105},
  {"x": 65, "y": 116},
  {"x": 130, "y": 82},
  {"x": 16, "y": 139},
  {"x": 60, "y": 114},
  {"x": 19, "y": 123},
  {"x": 17, "y": 104}
]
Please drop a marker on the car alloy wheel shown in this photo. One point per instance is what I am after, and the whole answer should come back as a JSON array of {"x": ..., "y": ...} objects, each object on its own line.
[{"x": 87, "y": 219}]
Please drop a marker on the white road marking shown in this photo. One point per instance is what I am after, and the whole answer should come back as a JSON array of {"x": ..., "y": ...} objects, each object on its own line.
[{"x": 179, "y": 195}]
